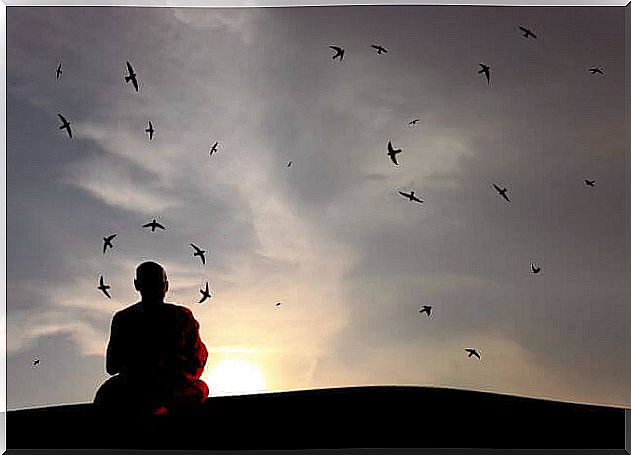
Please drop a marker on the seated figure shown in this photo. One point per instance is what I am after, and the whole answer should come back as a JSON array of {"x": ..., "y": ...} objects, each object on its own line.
[{"x": 155, "y": 353}]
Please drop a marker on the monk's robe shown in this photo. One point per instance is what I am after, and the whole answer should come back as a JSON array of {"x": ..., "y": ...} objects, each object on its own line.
[{"x": 157, "y": 357}]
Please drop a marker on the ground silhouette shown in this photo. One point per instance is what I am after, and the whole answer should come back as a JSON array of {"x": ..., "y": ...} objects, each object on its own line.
[{"x": 377, "y": 416}]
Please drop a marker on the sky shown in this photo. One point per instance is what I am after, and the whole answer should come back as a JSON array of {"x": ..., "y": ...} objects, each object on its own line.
[{"x": 330, "y": 237}]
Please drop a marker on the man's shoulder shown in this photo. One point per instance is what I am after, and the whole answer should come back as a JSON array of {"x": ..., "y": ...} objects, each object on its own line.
[
  {"x": 130, "y": 310},
  {"x": 178, "y": 309}
]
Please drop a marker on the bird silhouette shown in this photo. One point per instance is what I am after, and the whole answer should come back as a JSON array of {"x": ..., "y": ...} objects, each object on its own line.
[
  {"x": 535, "y": 269},
  {"x": 279, "y": 303},
  {"x": 35, "y": 362},
  {"x": 150, "y": 130},
  {"x": 380, "y": 49},
  {"x": 205, "y": 294},
  {"x": 107, "y": 241},
  {"x": 502, "y": 192},
  {"x": 103, "y": 287},
  {"x": 59, "y": 71},
  {"x": 289, "y": 164},
  {"x": 392, "y": 153},
  {"x": 65, "y": 125},
  {"x": 153, "y": 225},
  {"x": 590, "y": 182},
  {"x": 410, "y": 196},
  {"x": 426, "y": 309},
  {"x": 339, "y": 52},
  {"x": 199, "y": 252},
  {"x": 596, "y": 70},
  {"x": 487, "y": 72},
  {"x": 414, "y": 122},
  {"x": 131, "y": 76},
  {"x": 473, "y": 352},
  {"x": 527, "y": 33},
  {"x": 214, "y": 148}
]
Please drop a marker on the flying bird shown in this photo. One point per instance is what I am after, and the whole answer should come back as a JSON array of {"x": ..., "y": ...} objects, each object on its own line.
[
  {"x": 153, "y": 225},
  {"x": 380, "y": 49},
  {"x": 205, "y": 293},
  {"x": 279, "y": 303},
  {"x": 214, "y": 148},
  {"x": 199, "y": 252},
  {"x": 150, "y": 130},
  {"x": 527, "y": 33},
  {"x": 65, "y": 125},
  {"x": 590, "y": 182},
  {"x": 426, "y": 309},
  {"x": 59, "y": 71},
  {"x": 596, "y": 70},
  {"x": 132, "y": 76},
  {"x": 103, "y": 287},
  {"x": 392, "y": 153},
  {"x": 487, "y": 72},
  {"x": 473, "y": 352},
  {"x": 107, "y": 241},
  {"x": 415, "y": 121},
  {"x": 289, "y": 164},
  {"x": 339, "y": 52},
  {"x": 535, "y": 269},
  {"x": 502, "y": 192},
  {"x": 410, "y": 196},
  {"x": 35, "y": 362}
]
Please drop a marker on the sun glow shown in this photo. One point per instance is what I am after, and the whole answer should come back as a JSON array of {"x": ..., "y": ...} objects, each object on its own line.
[{"x": 234, "y": 377}]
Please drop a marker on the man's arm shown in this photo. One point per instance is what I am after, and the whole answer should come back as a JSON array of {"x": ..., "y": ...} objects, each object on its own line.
[
  {"x": 113, "y": 357},
  {"x": 195, "y": 353}
]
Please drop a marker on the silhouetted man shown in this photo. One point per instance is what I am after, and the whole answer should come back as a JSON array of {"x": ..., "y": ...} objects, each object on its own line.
[{"x": 155, "y": 353}]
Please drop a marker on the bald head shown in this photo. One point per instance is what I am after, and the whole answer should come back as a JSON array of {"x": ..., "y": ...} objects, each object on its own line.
[{"x": 151, "y": 281}]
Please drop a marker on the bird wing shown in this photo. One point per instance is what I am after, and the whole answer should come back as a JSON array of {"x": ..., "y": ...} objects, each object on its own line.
[
  {"x": 63, "y": 119},
  {"x": 196, "y": 248},
  {"x": 393, "y": 157},
  {"x": 147, "y": 225},
  {"x": 101, "y": 281},
  {"x": 203, "y": 259},
  {"x": 159, "y": 225},
  {"x": 107, "y": 293},
  {"x": 499, "y": 190},
  {"x": 505, "y": 197},
  {"x": 338, "y": 49},
  {"x": 135, "y": 82},
  {"x": 130, "y": 69},
  {"x": 104, "y": 247},
  {"x": 404, "y": 194}
]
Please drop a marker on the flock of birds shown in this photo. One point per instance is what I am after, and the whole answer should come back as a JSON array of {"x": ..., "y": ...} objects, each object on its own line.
[
  {"x": 392, "y": 153},
  {"x": 153, "y": 225}
]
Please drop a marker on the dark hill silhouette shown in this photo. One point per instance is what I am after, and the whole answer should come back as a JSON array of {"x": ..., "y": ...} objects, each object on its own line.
[{"x": 379, "y": 416}]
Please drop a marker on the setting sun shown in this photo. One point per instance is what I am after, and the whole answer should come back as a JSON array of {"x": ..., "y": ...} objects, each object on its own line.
[{"x": 234, "y": 377}]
